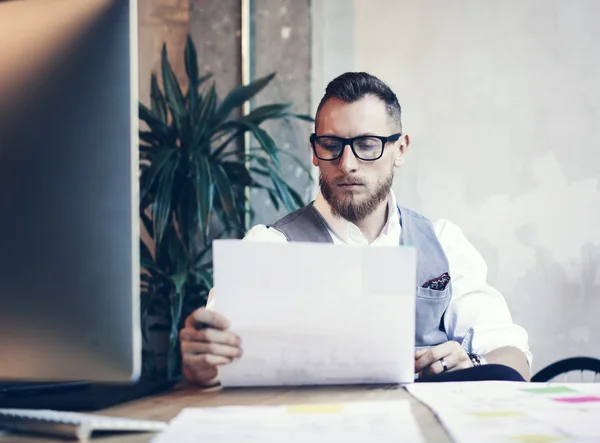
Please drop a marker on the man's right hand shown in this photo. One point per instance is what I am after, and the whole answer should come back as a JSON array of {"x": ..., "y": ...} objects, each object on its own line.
[{"x": 206, "y": 343}]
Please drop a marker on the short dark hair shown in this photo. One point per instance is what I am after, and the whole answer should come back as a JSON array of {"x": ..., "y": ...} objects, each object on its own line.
[{"x": 352, "y": 86}]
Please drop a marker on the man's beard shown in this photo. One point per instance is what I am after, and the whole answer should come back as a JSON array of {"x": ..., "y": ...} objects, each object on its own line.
[{"x": 349, "y": 208}]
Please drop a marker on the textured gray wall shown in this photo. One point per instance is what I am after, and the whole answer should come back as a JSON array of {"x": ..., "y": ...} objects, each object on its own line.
[
  {"x": 501, "y": 102},
  {"x": 281, "y": 43},
  {"x": 216, "y": 32}
]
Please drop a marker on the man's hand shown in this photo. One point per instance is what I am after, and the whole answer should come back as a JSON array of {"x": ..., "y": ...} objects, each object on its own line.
[
  {"x": 429, "y": 361},
  {"x": 206, "y": 343}
]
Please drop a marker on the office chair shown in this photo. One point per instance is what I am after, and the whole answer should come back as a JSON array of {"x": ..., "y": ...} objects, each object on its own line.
[{"x": 567, "y": 365}]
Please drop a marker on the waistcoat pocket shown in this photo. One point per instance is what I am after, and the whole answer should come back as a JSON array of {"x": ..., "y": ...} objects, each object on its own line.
[{"x": 430, "y": 307}]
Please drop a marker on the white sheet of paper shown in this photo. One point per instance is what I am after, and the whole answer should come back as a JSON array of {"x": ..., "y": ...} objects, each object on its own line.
[
  {"x": 313, "y": 313},
  {"x": 495, "y": 411},
  {"x": 385, "y": 421}
]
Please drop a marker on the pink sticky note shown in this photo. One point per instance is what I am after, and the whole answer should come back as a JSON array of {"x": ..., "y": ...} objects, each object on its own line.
[{"x": 578, "y": 399}]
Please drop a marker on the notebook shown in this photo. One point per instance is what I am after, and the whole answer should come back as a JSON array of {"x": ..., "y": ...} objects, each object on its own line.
[{"x": 71, "y": 425}]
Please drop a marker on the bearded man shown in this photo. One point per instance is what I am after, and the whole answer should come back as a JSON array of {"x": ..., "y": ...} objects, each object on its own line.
[{"x": 464, "y": 330}]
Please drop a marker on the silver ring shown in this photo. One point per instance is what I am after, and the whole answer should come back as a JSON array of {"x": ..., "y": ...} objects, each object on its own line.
[{"x": 443, "y": 362}]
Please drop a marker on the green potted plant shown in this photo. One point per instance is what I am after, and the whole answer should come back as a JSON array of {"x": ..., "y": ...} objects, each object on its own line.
[{"x": 192, "y": 191}]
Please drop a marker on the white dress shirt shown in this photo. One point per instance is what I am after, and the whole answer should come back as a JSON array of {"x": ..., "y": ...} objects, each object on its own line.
[{"x": 477, "y": 316}]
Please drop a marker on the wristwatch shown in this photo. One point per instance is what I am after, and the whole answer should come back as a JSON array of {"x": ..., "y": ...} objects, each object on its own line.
[{"x": 477, "y": 360}]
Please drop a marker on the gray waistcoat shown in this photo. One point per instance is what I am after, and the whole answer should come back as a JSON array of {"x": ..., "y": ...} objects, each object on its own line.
[{"x": 307, "y": 225}]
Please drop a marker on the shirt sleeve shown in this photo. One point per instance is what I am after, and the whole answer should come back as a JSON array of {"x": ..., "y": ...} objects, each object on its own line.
[
  {"x": 477, "y": 316},
  {"x": 262, "y": 233}
]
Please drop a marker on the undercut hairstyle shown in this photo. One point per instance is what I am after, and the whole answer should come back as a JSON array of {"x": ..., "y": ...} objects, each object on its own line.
[{"x": 353, "y": 86}]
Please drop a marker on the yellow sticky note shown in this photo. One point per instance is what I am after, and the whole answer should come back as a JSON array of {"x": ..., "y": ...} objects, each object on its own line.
[
  {"x": 536, "y": 438},
  {"x": 314, "y": 408},
  {"x": 496, "y": 414}
]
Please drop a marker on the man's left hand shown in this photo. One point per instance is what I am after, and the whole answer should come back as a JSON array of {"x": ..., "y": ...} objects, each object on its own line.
[{"x": 431, "y": 361}]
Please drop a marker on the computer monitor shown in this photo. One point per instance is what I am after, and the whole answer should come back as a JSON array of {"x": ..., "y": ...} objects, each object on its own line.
[{"x": 69, "y": 220}]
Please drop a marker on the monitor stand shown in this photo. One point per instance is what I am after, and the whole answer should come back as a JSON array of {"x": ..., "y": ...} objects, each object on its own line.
[{"x": 77, "y": 396}]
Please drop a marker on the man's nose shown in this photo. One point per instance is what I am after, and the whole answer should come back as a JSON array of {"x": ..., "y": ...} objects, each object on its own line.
[{"x": 348, "y": 161}]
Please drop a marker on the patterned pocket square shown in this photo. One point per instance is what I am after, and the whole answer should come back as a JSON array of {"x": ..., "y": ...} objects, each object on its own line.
[{"x": 438, "y": 283}]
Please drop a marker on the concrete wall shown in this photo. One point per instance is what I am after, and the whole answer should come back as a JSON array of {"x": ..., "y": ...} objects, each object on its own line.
[
  {"x": 281, "y": 43},
  {"x": 501, "y": 100}
]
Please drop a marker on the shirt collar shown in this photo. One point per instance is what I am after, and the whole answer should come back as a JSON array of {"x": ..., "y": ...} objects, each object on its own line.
[{"x": 346, "y": 230}]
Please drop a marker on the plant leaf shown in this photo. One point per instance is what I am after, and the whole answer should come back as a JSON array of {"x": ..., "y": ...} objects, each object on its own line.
[
  {"x": 151, "y": 137},
  {"x": 281, "y": 187},
  {"x": 204, "y": 194},
  {"x": 295, "y": 196},
  {"x": 191, "y": 68},
  {"x": 153, "y": 122},
  {"x": 146, "y": 260},
  {"x": 226, "y": 195},
  {"x": 147, "y": 223},
  {"x": 172, "y": 88},
  {"x": 161, "y": 210},
  {"x": 203, "y": 125},
  {"x": 237, "y": 173},
  {"x": 262, "y": 113},
  {"x": 240, "y": 95},
  {"x": 304, "y": 117},
  {"x": 186, "y": 215},
  {"x": 206, "y": 277},
  {"x": 150, "y": 175},
  {"x": 176, "y": 308},
  {"x": 294, "y": 157},
  {"x": 264, "y": 139},
  {"x": 157, "y": 99},
  {"x": 273, "y": 198}
]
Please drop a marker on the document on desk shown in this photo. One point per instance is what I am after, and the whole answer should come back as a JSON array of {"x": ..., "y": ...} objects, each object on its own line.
[
  {"x": 383, "y": 421},
  {"x": 317, "y": 314},
  {"x": 512, "y": 412}
]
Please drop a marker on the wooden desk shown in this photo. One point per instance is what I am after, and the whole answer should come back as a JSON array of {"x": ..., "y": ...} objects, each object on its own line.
[{"x": 166, "y": 406}]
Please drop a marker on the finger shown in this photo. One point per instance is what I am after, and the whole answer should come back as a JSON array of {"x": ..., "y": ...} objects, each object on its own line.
[
  {"x": 210, "y": 335},
  {"x": 434, "y": 354},
  {"x": 435, "y": 368},
  {"x": 203, "y": 376},
  {"x": 458, "y": 359},
  {"x": 204, "y": 361},
  {"x": 200, "y": 347},
  {"x": 420, "y": 352},
  {"x": 203, "y": 317}
]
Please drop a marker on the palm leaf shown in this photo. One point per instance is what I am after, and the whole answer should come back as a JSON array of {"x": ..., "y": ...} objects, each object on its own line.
[
  {"x": 294, "y": 157},
  {"x": 237, "y": 173},
  {"x": 266, "y": 112},
  {"x": 187, "y": 215},
  {"x": 264, "y": 139},
  {"x": 225, "y": 192},
  {"x": 158, "y": 103},
  {"x": 304, "y": 117},
  {"x": 203, "y": 123},
  {"x": 173, "y": 93},
  {"x": 240, "y": 95},
  {"x": 146, "y": 260},
  {"x": 280, "y": 186},
  {"x": 149, "y": 178},
  {"x": 153, "y": 122},
  {"x": 147, "y": 223},
  {"x": 204, "y": 194},
  {"x": 191, "y": 68},
  {"x": 205, "y": 277},
  {"x": 161, "y": 210}
]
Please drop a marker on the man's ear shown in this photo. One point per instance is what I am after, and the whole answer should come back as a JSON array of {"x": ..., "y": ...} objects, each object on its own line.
[
  {"x": 315, "y": 160},
  {"x": 402, "y": 148}
]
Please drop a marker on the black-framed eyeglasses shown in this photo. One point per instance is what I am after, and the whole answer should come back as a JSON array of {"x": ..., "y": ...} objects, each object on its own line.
[{"x": 366, "y": 147}]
